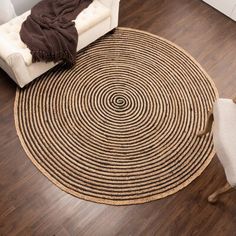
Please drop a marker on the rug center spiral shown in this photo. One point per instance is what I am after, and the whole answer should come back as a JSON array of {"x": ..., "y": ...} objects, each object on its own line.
[{"x": 119, "y": 101}]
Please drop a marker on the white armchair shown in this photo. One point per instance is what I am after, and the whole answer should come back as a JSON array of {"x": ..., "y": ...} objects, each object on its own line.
[
  {"x": 223, "y": 115},
  {"x": 15, "y": 58}
]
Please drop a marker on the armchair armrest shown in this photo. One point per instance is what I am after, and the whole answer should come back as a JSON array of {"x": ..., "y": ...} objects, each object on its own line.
[
  {"x": 108, "y": 3},
  {"x": 18, "y": 67},
  {"x": 114, "y": 6}
]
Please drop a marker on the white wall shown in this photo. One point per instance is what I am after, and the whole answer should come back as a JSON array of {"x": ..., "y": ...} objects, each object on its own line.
[
  {"x": 22, "y": 6},
  {"x": 228, "y": 7}
]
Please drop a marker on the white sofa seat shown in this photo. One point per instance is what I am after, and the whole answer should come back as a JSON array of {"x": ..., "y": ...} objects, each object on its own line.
[
  {"x": 15, "y": 58},
  {"x": 224, "y": 134}
]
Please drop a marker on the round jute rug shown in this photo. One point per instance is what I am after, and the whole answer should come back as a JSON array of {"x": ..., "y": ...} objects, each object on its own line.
[{"x": 121, "y": 126}]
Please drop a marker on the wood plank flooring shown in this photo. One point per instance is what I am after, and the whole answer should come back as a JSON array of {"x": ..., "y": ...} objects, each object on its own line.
[{"x": 31, "y": 205}]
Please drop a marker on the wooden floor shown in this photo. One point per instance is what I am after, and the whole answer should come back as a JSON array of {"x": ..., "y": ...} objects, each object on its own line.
[{"x": 31, "y": 205}]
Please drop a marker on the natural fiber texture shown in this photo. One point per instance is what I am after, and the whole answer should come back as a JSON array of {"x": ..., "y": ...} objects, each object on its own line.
[{"x": 121, "y": 126}]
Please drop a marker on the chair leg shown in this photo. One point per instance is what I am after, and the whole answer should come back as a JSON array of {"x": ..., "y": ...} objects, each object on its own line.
[
  {"x": 208, "y": 127},
  {"x": 213, "y": 198},
  {"x": 234, "y": 100}
]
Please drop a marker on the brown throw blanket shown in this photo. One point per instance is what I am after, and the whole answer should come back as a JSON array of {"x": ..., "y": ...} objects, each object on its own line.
[{"x": 49, "y": 31}]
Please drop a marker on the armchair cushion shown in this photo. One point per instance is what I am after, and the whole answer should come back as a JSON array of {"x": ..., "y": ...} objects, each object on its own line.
[{"x": 10, "y": 41}]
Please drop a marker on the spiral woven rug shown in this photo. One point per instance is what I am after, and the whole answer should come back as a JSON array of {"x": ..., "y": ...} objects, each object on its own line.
[{"x": 121, "y": 126}]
